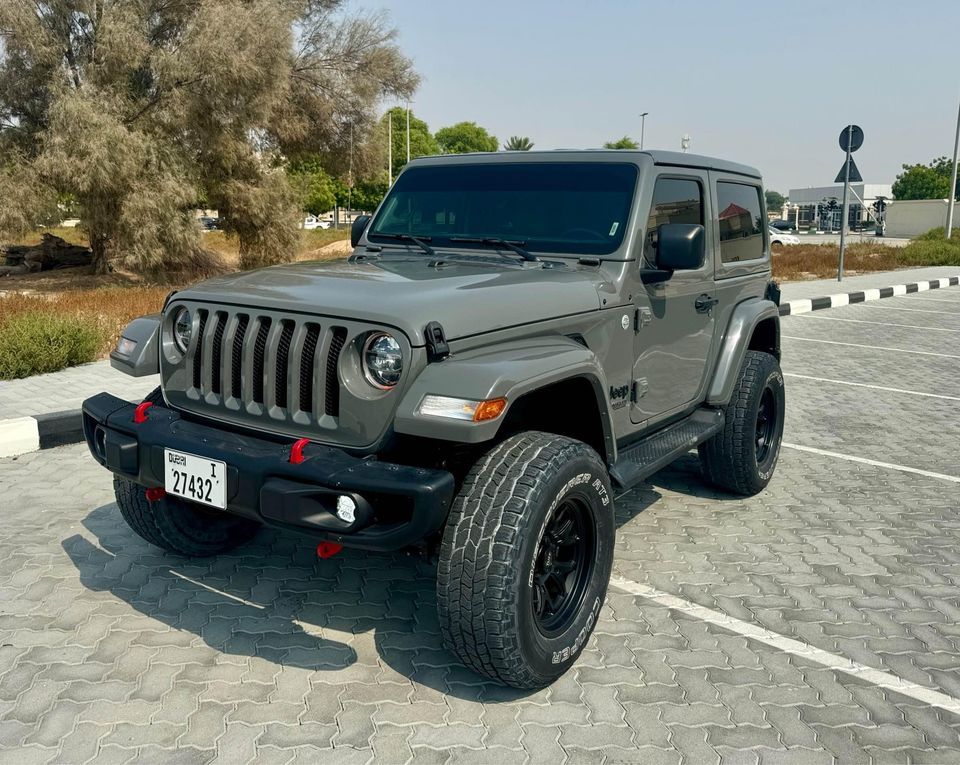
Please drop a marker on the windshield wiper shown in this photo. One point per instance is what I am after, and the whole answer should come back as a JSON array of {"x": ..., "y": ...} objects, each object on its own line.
[
  {"x": 420, "y": 241},
  {"x": 517, "y": 247}
]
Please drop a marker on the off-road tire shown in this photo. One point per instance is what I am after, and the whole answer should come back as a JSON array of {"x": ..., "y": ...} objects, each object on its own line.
[
  {"x": 729, "y": 459},
  {"x": 492, "y": 542},
  {"x": 176, "y": 525}
]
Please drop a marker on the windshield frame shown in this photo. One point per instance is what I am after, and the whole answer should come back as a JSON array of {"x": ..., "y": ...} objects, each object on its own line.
[{"x": 599, "y": 249}]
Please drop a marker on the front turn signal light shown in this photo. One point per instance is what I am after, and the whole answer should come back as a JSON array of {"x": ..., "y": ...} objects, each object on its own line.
[{"x": 462, "y": 408}]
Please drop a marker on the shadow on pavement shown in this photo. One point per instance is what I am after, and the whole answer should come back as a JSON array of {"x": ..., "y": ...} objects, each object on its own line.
[{"x": 274, "y": 599}]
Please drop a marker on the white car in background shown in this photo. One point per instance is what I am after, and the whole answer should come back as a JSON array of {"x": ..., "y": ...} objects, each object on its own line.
[
  {"x": 312, "y": 221},
  {"x": 780, "y": 238}
]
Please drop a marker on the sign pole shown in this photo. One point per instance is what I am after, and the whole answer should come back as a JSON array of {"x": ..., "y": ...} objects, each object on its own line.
[
  {"x": 953, "y": 180},
  {"x": 846, "y": 202}
]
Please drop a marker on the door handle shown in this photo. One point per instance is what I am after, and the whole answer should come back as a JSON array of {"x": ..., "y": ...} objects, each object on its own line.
[{"x": 705, "y": 303}]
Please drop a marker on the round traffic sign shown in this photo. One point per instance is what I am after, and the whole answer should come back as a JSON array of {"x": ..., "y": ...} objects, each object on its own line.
[{"x": 853, "y": 134}]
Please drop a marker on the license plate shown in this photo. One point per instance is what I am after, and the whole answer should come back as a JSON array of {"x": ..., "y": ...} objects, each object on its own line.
[{"x": 195, "y": 478}]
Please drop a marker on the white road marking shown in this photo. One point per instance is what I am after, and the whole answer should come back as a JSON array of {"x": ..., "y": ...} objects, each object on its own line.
[
  {"x": 214, "y": 590},
  {"x": 926, "y": 299},
  {"x": 871, "y": 347},
  {"x": 888, "y": 307},
  {"x": 832, "y": 661},
  {"x": 874, "y": 463},
  {"x": 881, "y": 323},
  {"x": 872, "y": 387}
]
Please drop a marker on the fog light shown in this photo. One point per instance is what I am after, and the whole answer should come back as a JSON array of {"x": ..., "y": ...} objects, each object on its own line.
[{"x": 346, "y": 509}]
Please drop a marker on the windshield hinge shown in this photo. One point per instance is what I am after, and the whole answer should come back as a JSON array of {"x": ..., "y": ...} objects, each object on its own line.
[{"x": 437, "y": 348}]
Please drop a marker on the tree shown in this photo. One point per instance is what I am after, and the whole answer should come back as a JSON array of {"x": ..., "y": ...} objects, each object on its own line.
[
  {"x": 622, "y": 143},
  {"x": 313, "y": 185},
  {"x": 422, "y": 142},
  {"x": 930, "y": 181},
  {"x": 518, "y": 143},
  {"x": 775, "y": 201},
  {"x": 465, "y": 137},
  {"x": 138, "y": 109}
]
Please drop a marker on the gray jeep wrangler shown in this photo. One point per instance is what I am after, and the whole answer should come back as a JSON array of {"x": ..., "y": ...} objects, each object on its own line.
[{"x": 515, "y": 337}]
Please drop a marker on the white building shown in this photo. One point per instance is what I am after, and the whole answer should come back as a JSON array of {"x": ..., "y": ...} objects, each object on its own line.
[{"x": 809, "y": 206}]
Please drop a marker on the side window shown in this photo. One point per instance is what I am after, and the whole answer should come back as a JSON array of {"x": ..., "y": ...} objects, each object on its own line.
[
  {"x": 675, "y": 200},
  {"x": 741, "y": 221}
]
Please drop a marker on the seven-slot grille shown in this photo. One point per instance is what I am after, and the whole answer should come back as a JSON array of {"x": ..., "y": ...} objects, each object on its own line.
[{"x": 255, "y": 363}]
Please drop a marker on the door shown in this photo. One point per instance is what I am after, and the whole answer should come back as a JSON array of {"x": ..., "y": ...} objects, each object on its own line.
[{"x": 675, "y": 326}]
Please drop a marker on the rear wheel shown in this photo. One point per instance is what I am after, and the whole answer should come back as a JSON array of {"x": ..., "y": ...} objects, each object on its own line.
[
  {"x": 526, "y": 558},
  {"x": 176, "y": 525},
  {"x": 742, "y": 457}
]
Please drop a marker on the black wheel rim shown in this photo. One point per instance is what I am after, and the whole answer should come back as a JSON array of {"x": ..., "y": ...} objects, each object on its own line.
[
  {"x": 766, "y": 425},
  {"x": 563, "y": 566}
]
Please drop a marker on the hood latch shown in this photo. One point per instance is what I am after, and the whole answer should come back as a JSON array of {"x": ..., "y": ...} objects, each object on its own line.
[{"x": 437, "y": 348}]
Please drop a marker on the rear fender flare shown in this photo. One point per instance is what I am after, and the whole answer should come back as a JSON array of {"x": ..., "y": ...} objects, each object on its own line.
[
  {"x": 507, "y": 370},
  {"x": 747, "y": 316}
]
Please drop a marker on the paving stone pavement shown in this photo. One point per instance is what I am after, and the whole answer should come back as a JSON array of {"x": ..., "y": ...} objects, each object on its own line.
[
  {"x": 66, "y": 389},
  {"x": 820, "y": 287},
  {"x": 113, "y": 651}
]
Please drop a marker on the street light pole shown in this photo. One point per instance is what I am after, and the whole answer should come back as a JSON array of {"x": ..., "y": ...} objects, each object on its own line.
[
  {"x": 643, "y": 125},
  {"x": 408, "y": 133},
  {"x": 389, "y": 148},
  {"x": 953, "y": 179}
]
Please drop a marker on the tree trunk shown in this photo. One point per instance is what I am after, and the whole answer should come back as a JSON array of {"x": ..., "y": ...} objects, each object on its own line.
[{"x": 98, "y": 245}]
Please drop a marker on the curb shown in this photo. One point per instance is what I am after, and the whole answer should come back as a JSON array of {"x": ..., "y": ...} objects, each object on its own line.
[
  {"x": 44, "y": 431},
  {"x": 848, "y": 298},
  {"x": 22, "y": 435}
]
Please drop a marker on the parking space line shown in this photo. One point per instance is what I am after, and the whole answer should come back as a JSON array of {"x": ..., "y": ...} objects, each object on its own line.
[
  {"x": 871, "y": 347},
  {"x": 216, "y": 591},
  {"x": 911, "y": 310},
  {"x": 872, "y": 387},
  {"x": 880, "y": 323},
  {"x": 873, "y": 463},
  {"x": 926, "y": 299},
  {"x": 877, "y": 677}
]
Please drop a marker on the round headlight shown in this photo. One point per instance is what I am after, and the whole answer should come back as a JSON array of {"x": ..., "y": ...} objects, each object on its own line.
[
  {"x": 182, "y": 329},
  {"x": 382, "y": 360}
]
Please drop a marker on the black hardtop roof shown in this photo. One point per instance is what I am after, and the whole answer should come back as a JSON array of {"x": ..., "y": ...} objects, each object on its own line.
[{"x": 668, "y": 158}]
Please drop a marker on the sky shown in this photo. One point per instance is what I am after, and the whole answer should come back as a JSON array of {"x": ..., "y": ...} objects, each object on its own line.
[{"x": 768, "y": 84}]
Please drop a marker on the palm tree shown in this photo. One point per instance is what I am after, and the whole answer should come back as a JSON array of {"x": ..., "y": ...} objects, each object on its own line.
[{"x": 518, "y": 143}]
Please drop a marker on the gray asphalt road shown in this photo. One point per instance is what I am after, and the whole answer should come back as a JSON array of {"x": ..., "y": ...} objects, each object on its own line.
[{"x": 815, "y": 622}]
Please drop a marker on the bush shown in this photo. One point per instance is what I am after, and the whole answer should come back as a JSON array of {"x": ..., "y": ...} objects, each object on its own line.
[
  {"x": 933, "y": 249},
  {"x": 34, "y": 343}
]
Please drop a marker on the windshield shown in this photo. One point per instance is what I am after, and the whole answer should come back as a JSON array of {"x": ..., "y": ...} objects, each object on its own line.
[{"x": 560, "y": 207}]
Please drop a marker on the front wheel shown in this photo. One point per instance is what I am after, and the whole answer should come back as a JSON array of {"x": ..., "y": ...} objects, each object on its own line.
[
  {"x": 742, "y": 457},
  {"x": 526, "y": 559}
]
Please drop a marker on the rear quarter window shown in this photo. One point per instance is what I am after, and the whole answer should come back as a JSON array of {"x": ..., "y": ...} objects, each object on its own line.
[{"x": 741, "y": 221}]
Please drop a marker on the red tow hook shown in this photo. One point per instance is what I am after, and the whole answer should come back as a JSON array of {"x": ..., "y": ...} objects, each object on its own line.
[
  {"x": 155, "y": 494},
  {"x": 296, "y": 451},
  {"x": 140, "y": 413},
  {"x": 328, "y": 549}
]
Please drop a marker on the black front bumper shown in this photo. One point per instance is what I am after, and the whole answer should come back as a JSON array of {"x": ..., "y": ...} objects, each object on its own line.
[{"x": 397, "y": 505}]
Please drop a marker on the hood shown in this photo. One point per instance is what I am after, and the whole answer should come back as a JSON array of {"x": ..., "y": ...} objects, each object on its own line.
[{"x": 407, "y": 293}]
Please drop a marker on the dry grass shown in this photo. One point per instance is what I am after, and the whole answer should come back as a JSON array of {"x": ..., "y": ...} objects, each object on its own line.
[
  {"x": 819, "y": 261},
  {"x": 109, "y": 309}
]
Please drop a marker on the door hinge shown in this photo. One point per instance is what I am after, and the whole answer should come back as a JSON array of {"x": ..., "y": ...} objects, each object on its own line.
[
  {"x": 642, "y": 318},
  {"x": 705, "y": 303}
]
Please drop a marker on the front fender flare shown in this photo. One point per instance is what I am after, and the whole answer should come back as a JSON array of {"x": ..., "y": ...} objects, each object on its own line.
[
  {"x": 735, "y": 343},
  {"x": 144, "y": 359},
  {"x": 508, "y": 370}
]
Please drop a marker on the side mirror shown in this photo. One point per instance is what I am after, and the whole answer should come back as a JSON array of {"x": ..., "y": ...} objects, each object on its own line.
[
  {"x": 680, "y": 246},
  {"x": 357, "y": 229}
]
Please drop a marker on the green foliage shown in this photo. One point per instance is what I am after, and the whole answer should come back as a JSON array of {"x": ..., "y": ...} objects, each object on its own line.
[
  {"x": 518, "y": 143},
  {"x": 622, "y": 143},
  {"x": 465, "y": 137},
  {"x": 933, "y": 249},
  {"x": 775, "y": 201},
  {"x": 930, "y": 181},
  {"x": 140, "y": 111},
  {"x": 35, "y": 343},
  {"x": 422, "y": 142},
  {"x": 313, "y": 185}
]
